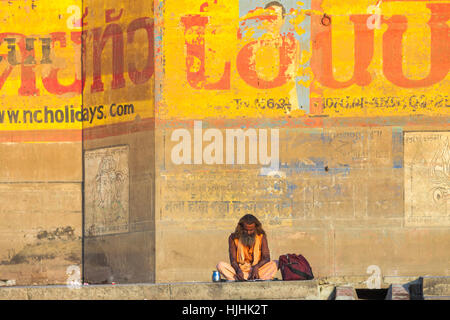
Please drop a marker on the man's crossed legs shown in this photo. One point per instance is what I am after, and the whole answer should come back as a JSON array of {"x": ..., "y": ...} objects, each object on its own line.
[{"x": 265, "y": 272}]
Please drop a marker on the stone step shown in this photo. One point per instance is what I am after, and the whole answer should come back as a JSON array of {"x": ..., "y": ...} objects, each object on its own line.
[
  {"x": 345, "y": 293},
  {"x": 436, "y": 287},
  {"x": 398, "y": 292},
  {"x": 436, "y": 298},
  {"x": 428, "y": 288},
  {"x": 258, "y": 290}
]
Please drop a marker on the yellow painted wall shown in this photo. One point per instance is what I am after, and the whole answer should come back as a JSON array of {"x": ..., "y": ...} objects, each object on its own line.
[
  {"x": 41, "y": 161},
  {"x": 333, "y": 94},
  {"x": 23, "y": 89},
  {"x": 118, "y": 145},
  {"x": 50, "y": 119},
  {"x": 357, "y": 161},
  {"x": 41, "y": 81},
  {"x": 361, "y": 158}
]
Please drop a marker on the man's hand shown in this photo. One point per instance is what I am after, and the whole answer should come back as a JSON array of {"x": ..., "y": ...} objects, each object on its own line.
[
  {"x": 239, "y": 272},
  {"x": 254, "y": 273},
  {"x": 240, "y": 275}
]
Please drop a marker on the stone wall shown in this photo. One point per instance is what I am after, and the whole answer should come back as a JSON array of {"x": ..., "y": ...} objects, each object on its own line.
[
  {"x": 359, "y": 111},
  {"x": 119, "y": 148},
  {"x": 40, "y": 144},
  {"x": 77, "y": 142},
  {"x": 134, "y": 135}
]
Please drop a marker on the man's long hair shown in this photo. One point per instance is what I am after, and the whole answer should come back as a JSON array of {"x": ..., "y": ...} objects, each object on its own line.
[
  {"x": 276, "y": 3},
  {"x": 248, "y": 219}
]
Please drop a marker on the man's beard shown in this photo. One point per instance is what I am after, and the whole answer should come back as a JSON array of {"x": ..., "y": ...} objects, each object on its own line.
[{"x": 247, "y": 239}]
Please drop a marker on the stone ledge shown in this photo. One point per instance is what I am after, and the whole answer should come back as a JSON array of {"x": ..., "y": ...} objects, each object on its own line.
[
  {"x": 436, "y": 286},
  {"x": 360, "y": 281},
  {"x": 436, "y": 298},
  {"x": 271, "y": 290},
  {"x": 319, "y": 289}
]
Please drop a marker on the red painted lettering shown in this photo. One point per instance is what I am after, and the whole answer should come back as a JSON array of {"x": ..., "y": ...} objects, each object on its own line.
[
  {"x": 50, "y": 81},
  {"x": 195, "y": 60},
  {"x": 321, "y": 59},
  {"x": 113, "y": 31},
  {"x": 440, "y": 49},
  {"x": 139, "y": 77},
  {"x": 246, "y": 64}
]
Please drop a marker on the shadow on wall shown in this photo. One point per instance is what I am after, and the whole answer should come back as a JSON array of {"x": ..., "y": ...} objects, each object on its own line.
[{"x": 97, "y": 268}]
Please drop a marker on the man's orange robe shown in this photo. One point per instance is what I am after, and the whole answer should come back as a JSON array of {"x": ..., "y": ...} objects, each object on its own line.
[{"x": 247, "y": 257}]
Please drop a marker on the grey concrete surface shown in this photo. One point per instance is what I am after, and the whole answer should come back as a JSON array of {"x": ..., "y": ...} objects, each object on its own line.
[
  {"x": 400, "y": 288},
  {"x": 436, "y": 288},
  {"x": 285, "y": 290}
]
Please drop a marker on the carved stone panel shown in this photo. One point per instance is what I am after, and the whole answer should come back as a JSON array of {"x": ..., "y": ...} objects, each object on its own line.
[
  {"x": 427, "y": 178},
  {"x": 106, "y": 191}
]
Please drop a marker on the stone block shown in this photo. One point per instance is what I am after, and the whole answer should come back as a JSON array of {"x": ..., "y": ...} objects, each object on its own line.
[
  {"x": 436, "y": 286},
  {"x": 284, "y": 290},
  {"x": 36, "y": 162},
  {"x": 346, "y": 293},
  {"x": 273, "y": 290},
  {"x": 390, "y": 249},
  {"x": 398, "y": 292}
]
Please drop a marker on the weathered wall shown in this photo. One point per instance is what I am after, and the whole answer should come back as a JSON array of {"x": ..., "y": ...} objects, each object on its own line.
[
  {"x": 40, "y": 142},
  {"x": 76, "y": 141},
  {"x": 357, "y": 93},
  {"x": 119, "y": 147},
  {"x": 346, "y": 106}
]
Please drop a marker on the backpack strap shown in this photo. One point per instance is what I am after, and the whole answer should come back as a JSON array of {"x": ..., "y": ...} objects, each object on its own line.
[
  {"x": 300, "y": 273},
  {"x": 282, "y": 265}
]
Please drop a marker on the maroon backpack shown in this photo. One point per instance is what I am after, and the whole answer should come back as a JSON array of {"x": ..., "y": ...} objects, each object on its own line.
[{"x": 294, "y": 267}]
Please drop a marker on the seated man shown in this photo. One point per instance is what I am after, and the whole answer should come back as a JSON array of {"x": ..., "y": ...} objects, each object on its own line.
[{"x": 249, "y": 253}]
